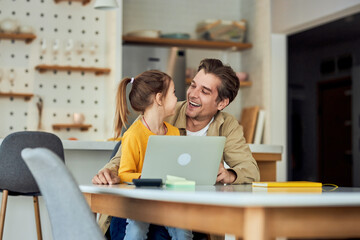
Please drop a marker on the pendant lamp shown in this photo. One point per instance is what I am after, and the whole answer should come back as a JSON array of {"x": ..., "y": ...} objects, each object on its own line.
[{"x": 106, "y": 5}]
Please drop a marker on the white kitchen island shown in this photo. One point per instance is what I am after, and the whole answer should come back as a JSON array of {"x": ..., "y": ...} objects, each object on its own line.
[{"x": 86, "y": 158}]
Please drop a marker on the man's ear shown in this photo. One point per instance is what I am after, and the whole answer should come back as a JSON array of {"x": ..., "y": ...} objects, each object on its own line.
[
  {"x": 158, "y": 99},
  {"x": 222, "y": 104}
]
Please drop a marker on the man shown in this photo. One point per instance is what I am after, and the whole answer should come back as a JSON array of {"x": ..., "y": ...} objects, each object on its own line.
[{"x": 213, "y": 88}]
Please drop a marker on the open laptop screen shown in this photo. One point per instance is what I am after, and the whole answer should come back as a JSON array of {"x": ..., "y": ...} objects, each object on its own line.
[{"x": 192, "y": 157}]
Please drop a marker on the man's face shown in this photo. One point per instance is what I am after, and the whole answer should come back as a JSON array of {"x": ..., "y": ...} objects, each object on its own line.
[{"x": 202, "y": 95}]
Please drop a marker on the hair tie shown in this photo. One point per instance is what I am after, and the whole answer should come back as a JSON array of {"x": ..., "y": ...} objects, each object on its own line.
[{"x": 132, "y": 80}]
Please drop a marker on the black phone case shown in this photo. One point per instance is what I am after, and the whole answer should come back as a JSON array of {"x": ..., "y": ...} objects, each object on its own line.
[{"x": 148, "y": 182}]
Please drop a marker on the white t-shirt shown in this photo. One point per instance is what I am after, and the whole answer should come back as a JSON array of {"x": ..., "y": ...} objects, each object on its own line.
[{"x": 201, "y": 132}]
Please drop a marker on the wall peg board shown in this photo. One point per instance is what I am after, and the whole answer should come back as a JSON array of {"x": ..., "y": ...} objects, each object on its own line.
[{"x": 63, "y": 33}]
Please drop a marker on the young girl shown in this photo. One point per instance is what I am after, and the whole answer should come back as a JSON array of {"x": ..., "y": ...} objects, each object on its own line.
[{"x": 153, "y": 95}]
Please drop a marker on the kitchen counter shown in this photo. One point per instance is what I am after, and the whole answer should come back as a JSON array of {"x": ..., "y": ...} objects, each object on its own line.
[
  {"x": 109, "y": 146},
  {"x": 265, "y": 148},
  {"x": 88, "y": 145},
  {"x": 98, "y": 153},
  {"x": 86, "y": 158},
  {"x": 99, "y": 145}
]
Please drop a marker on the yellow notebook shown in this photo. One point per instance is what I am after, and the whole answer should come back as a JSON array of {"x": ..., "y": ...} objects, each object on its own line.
[
  {"x": 290, "y": 184},
  {"x": 275, "y": 190}
]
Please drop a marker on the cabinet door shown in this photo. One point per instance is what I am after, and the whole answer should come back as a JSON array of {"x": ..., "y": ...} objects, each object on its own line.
[{"x": 356, "y": 125}]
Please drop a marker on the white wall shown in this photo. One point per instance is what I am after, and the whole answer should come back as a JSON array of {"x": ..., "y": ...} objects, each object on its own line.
[
  {"x": 256, "y": 61},
  {"x": 290, "y": 16},
  {"x": 114, "y": 52},
  {"x": 278, "y": 103}
]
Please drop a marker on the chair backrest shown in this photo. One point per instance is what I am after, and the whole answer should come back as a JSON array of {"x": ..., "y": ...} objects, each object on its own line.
[
  {"x": 14, "y": 174},
  {"x": 70, "y": 215},
  {"x": 248, "y": 121},
  {"x": 115, "y": 150}
]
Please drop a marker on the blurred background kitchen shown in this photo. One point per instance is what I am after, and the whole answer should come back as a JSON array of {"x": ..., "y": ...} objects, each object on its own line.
[{"x": 60, "y": 63}]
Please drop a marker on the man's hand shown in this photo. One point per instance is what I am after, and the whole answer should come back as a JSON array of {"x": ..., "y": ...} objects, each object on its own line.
[
  {"x": 224, "y": 175},
  {"x": 106, "y": 176}
]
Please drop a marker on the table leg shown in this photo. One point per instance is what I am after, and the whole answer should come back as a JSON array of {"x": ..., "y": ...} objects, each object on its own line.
[
  {"x": 255, "y": 225},
  {"x": 87, "y": 197}
]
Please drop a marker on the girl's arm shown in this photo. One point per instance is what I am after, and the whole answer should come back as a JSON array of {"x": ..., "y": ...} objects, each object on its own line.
[{"x": 130, "y": 159}]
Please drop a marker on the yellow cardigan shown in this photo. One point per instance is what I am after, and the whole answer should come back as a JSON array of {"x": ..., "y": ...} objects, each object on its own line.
[{"x": 134, "y": 143}]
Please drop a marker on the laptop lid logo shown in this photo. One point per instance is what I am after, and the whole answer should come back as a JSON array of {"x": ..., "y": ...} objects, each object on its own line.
[{"x": 184, "y": 159}]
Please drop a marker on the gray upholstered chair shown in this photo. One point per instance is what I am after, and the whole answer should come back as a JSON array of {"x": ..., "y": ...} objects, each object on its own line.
[
  {"x": 70, "y": 215},
  {"x": 15, "y": 177}
]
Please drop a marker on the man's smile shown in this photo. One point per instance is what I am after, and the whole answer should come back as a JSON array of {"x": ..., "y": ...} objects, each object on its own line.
[{"x": 193, "y": 104}]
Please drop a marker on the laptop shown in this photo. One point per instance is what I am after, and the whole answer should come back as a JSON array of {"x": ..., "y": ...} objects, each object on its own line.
[{"x": 192, "y": 157}]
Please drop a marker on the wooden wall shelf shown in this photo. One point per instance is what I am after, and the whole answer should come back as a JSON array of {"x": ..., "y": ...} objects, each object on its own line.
[
  {"x": 28, "y": 37},
  {"x": 186, "y": 43},
  {"x": 245, "y": 84},
  {"x": 82, "y": 127},
  {"x": 84, "y": 2},
  {"x": 98, "y": 71},
  {"x": 26, "y": 96}
]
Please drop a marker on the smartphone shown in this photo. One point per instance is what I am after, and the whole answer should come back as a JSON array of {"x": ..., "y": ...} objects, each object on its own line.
[{"x": 148, "y": 182}]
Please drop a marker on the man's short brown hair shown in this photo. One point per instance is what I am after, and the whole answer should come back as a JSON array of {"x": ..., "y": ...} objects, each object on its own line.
[{"x": 230, "y": 84}]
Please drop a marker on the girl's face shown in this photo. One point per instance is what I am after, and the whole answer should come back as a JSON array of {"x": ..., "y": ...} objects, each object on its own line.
[{"x": 170, "y": 100}]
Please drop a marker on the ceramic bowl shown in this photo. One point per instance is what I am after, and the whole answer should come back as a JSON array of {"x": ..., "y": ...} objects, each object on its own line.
[
  {"x": 145, "y": 33},
  {"x": 9, "y": 26},
  {"x": 26, "y": 29},
  {"x": 78, "y": 118}
]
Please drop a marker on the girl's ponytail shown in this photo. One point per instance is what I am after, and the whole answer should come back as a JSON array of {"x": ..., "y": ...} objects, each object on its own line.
[{"x": 122, "y": 110}]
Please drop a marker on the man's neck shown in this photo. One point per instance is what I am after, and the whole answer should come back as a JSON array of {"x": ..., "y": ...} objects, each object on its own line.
[{"x": 194, "y": 125}]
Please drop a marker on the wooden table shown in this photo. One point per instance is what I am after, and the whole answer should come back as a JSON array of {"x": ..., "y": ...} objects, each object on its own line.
[{"x": 236, "y": 209}]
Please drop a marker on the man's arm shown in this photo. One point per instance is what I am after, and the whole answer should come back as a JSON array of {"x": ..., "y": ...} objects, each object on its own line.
[
  {"x": 227, "y": 176},
  {"x": 106, "y": 176},
  {"x": 237, "y": 153},
  {"x": 109, "y": 173}
]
